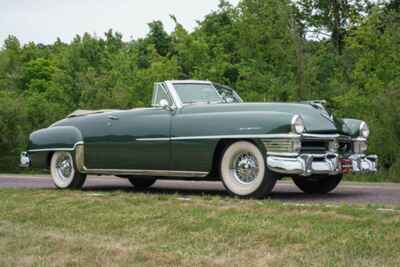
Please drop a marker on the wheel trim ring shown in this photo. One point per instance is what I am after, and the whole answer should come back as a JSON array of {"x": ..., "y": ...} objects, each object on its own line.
[{"x": 62, "y": 162}]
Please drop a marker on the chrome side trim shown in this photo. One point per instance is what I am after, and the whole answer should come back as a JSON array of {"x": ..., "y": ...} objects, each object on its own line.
[
  {"x": 158, "y": 173},
  {"x": 80, "y": 164},
  {"x": 57, "y": 149},
  {"x": 321, "y": 136},
  {"x": 235, "y": 136},
  {"x": 266, "y": 136},
  {"x": 153, "y": 139}
]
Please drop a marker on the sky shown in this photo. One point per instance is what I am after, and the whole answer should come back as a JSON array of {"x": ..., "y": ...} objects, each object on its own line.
[{"x": 42, "y": 21}]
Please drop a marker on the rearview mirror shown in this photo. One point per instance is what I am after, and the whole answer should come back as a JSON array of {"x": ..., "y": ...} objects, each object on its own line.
[{"x": 164, "y": 104}]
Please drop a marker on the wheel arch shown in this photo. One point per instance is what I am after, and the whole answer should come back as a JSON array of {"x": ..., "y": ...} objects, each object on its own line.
[
  {"x": 222, "y": 145},
  {"x": 49, "y": 157}
]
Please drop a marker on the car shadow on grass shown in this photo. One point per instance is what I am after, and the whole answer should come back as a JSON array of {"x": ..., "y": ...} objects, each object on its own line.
[
  {"x": 281, "y": 193},
  {"x": 158, "y": 191}
]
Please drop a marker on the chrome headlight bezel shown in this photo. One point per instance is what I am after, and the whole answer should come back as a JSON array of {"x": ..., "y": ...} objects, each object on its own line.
[
  {"x": 364, "y": 130},
  {"x": 298, "y": 126}
]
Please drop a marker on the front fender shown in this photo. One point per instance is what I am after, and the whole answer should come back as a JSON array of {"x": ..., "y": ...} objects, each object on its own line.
[
  {"x": 195, "y": 137},
  {"x": 352, "y": 127}
]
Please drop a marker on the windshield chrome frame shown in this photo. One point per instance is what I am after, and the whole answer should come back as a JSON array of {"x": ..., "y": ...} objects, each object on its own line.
[{"x": 175, "y": 95}]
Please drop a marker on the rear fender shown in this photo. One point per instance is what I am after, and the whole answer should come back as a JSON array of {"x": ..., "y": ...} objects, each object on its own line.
[{"x": 43, "y": 143}]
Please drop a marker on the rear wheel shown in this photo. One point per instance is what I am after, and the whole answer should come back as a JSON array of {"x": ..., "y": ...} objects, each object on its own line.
[
  {"x": 64, "y": 173},
  {"x": 318, "y": 184},
  {"x": 141, "y": 182},
  {"x": 244, "y": 173}
]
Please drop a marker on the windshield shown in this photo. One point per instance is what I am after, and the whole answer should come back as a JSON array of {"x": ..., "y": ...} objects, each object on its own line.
[{"x": 197, "y": 93}]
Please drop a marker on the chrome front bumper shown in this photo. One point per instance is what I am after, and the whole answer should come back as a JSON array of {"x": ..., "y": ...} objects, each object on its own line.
[
  {"x": 25, "y": 160},
  {"x": 329, "y": 164},
  {"x": 362, "y": 163}
]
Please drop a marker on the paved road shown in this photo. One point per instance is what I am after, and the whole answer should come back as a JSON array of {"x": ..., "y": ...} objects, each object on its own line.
[{"x": 351, "y": 193}]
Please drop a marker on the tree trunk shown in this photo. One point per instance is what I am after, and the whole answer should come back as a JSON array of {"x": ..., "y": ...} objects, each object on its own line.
[
  {"x": 298, "y": 38},
  {"x": 340, "y": 9}
]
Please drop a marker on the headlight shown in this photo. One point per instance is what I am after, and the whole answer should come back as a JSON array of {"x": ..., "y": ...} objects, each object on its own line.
[
  {"x": 360, "y": 147},
  {"x": 364, "y": 130},
  {"x": 298, "y": 124}
]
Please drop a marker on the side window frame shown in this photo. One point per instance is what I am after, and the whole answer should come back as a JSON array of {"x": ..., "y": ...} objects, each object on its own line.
[{"x": 156, "y": 91}]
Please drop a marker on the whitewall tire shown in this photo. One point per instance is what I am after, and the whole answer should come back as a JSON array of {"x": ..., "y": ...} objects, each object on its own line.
[
  {"x": 243, "y": 171},
  {"x": 64, "y": 173}
]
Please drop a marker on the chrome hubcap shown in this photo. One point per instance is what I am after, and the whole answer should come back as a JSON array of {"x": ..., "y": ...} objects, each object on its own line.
[
  {"x": 64, "y": 167},
  {"x": 245, "y": 168}
]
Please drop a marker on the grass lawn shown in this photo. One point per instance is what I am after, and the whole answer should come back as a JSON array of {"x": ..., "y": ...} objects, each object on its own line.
[{"x": 53, "y": 228}]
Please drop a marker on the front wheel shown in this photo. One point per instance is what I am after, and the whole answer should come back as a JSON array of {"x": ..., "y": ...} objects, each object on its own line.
[
  {"x": 318, "y": 184},
  {"x": 64, "y": 173},
  {"x": 244, "y": 173}
]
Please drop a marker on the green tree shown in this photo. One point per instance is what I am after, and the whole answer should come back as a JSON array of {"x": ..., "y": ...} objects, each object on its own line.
[{"x": 159, "y": 38}]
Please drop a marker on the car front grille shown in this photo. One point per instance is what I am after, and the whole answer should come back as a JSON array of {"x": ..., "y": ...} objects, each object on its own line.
[
  {"x": 314, "y": 146},
  {"x": 279, "y": 145}
]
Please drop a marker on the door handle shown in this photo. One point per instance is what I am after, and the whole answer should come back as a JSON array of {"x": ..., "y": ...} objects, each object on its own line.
[{"x": 112, "y": 117}]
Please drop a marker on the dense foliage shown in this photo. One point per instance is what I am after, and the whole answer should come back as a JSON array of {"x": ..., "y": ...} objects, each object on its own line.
[{"x": 347, "y": 52}]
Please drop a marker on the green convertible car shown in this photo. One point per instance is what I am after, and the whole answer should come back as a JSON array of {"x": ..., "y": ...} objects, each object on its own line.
[{"x": 200, "y": 130}]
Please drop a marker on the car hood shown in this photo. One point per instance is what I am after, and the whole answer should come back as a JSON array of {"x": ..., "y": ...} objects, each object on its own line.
[{"x": 315, "y": 120}]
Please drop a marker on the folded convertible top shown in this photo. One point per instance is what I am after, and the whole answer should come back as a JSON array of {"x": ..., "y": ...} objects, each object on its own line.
[{"x": 81, "y": 112}]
